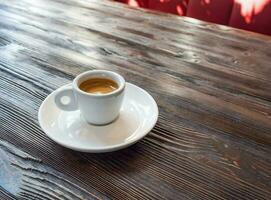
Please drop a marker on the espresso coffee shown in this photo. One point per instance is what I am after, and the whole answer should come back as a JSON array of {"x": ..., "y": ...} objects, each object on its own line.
[{"x": 98, "y": 86}]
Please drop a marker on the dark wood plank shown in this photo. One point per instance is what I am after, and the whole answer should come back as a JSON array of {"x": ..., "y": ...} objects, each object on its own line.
[
  {"x": 26, "y": 177},
  {"x": 5, "y": 195},
  {"x": 212, "y": 85}
]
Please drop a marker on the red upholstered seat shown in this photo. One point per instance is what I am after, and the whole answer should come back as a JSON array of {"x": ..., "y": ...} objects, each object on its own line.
[
  {"x": 178, "y": 7},
  {"x": 216, "y": 11},
  {"x": 136, "y": 3},
  {"x": 253, "y": 15}
]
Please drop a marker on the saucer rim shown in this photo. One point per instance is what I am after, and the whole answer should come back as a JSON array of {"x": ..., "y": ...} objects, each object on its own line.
[{"x": 108, "y": 148}]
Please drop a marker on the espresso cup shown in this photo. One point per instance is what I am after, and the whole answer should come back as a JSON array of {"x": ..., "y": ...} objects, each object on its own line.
[{"x": 98, "y": 109}]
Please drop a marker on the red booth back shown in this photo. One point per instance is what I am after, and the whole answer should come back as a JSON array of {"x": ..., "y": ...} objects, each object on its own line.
[
  {"x": 253, "y": 15},
  {"x": 136, "y": 3},
  {"x": 177, "y": 7},
  {"x": 216, "y": 11}
]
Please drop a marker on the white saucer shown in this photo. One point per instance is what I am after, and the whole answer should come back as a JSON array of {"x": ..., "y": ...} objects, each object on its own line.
[{"x": 137, "y": 117}]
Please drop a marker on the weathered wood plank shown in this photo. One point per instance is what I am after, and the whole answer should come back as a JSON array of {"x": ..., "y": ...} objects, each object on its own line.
[
  {"x": 5, "y": 195},
  {"x": 25, "y": 176},
  {"x": 212, "y": 85},
  {"x": 34, "y": 78},
  {"x": 198, "y": 84}
]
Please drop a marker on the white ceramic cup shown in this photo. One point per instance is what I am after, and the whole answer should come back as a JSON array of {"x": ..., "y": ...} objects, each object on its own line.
[{"x": 96, "y": 109}]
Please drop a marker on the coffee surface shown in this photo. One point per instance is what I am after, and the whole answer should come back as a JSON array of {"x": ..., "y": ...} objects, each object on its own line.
[{"x": 98, "y": 86}]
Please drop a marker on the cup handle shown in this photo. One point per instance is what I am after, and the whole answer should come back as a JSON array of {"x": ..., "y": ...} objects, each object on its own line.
[{"x": 71, "y": 105}]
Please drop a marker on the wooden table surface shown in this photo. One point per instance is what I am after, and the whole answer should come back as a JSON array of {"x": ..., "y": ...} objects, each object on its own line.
[{"x": 211, "y": 83}]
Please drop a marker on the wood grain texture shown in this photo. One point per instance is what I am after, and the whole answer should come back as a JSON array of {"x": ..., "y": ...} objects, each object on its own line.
[
  {"x": 211, "y": 83},
  {"x": 26, "y": 177}
]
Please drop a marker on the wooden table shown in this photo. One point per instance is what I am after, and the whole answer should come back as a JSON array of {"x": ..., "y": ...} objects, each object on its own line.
[{"x": 211, "y": 82}]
